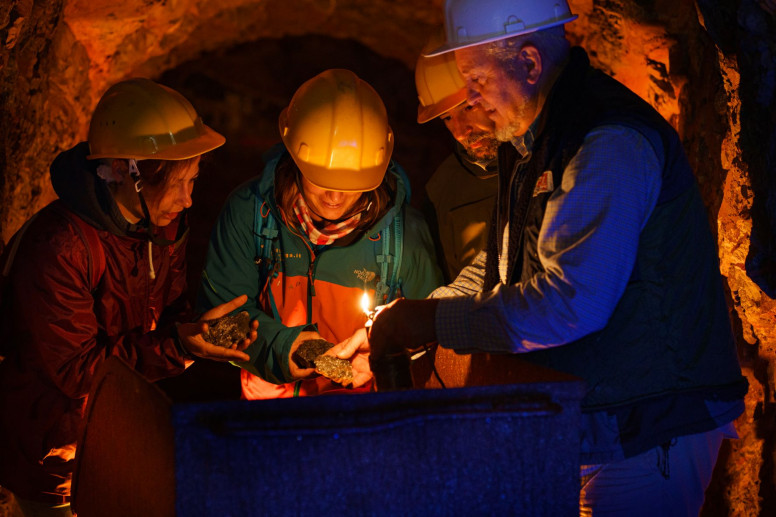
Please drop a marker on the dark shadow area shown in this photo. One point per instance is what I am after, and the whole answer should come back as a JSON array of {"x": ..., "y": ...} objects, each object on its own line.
[
  {"x": 716, "y": 502},
  {"x": 757, "y": 64},
  {"x": 240, "y": 92},
  {"x": 703, "y": 126},
  {"x": 767, "y": 430}
]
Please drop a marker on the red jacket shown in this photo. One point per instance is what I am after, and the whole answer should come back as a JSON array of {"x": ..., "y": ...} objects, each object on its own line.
[{"x": 63, "y": 328}]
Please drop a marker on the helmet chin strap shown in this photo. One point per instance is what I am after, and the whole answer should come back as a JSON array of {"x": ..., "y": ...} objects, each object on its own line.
[
  {"x": 134, "y": 173},
  {"x": 327, "y": 221}
]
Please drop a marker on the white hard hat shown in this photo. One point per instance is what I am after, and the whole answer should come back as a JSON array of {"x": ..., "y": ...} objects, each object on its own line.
[{"x": 474, "y": 22}]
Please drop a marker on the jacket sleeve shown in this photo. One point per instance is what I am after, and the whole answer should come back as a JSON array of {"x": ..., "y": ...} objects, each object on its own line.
[
  {"x": 468, "y": 282},
  {"x": 56, "y": 325},
  {"x": 230, "y": 271},
  {"x": 420, "y": 273},
  {"x": 588, "y": 244}
]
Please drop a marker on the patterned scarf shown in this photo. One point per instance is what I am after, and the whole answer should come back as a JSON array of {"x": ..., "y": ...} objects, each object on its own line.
[{"x": 330, "y": 232}]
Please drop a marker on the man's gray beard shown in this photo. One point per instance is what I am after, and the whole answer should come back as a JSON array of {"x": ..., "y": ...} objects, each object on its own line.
[{"x": 506, "y": 133}]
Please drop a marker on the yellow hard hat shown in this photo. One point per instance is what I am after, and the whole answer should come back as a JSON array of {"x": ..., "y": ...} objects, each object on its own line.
[
  {"x": 336, "y": 129},
  {"x": 438, "y": 82},
  {"x": 141, "y": 119}
]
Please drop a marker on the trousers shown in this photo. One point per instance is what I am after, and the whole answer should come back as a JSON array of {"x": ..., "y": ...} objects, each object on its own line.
[{"x": 669, "y": 480}]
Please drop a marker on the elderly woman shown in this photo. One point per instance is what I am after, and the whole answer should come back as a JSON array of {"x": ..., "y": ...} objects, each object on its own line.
[{"x": 100, "y": 272}]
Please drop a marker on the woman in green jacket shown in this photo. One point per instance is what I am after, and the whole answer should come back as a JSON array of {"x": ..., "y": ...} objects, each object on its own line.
[{"x": 326, "y": 222}]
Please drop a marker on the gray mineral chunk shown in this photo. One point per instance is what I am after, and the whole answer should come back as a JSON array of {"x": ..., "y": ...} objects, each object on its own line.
[
  {"x": 227, "y": 330},
  {"x": 334, "y": 368}
]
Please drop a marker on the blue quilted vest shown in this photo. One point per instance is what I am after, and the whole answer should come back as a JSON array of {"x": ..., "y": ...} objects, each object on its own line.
[{"x": 670, "y": 333}]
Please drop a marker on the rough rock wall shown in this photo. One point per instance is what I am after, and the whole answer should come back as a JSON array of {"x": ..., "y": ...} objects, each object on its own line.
[
  {"x": 708, "y": 68},
  {"x": 746, "y": 221},
  {"x": 59, "y": 56}
]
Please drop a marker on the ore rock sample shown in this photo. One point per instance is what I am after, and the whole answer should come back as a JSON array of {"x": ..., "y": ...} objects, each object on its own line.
[
  {"x": 334, "y": 368},
  {"x": 227, "y": 330},
  {"x": 304, "y": 356}
]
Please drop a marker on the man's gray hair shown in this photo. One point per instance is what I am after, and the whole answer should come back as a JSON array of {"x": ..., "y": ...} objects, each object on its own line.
[{"x": 551, "y": 43}]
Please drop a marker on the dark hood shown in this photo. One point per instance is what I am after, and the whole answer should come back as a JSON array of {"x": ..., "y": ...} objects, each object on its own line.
[{"x": 75, "y": 181}]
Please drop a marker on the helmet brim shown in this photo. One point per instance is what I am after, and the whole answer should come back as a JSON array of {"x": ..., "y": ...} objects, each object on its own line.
[
  {"x": 362, "y": 180},
  {"x": 206, "y": 141},
  {"x": 432, "y": 111},
  {"x": 449, "y": 47}
]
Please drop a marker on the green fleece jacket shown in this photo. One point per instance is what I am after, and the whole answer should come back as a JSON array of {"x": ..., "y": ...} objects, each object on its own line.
[{"x": 304, "y": 286}]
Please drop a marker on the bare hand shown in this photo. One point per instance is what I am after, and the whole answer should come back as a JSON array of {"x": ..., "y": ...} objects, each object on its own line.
[
  {"x": 296, "y": 371},
  {"x": 403, "y": 325},
  {"x": 356, "y": 349},
  {"x": 192, "y": 340}
]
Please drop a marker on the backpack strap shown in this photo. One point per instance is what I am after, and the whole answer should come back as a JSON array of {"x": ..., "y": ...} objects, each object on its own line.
[
  {"x": 398, "y": 235},
  {"x": 389, "y": 287},
  {"x": 91, "y": 239},
  {"x": 265, "y": 232},
  {"x": 88, "y": 234},
  {"x": 13, "y": 247},
  {"x": 96, "y": 257},
  {"x": 96, "y": 251},
  {"x": 384, "y": 259},
  {"x": 6, "y": 262}
]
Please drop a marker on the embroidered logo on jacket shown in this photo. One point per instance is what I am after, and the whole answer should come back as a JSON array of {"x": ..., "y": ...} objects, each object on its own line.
[
  {"x": 364, "y": 275},
  {"x": 544, "y": 184}
]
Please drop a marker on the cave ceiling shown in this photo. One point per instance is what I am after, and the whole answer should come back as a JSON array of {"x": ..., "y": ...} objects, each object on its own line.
[{"x": 60, "y": 56}]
